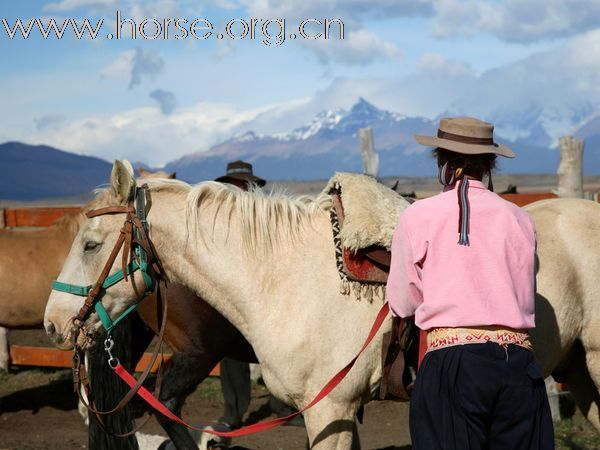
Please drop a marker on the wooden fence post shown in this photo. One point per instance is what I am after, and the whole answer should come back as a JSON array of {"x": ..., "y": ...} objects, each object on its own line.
[
  {"x": 4, "y": 349},
  {"x": 570, "y": 168},
  {"x": 369, "y": 156},
  {"x": 570, "y": 185}
]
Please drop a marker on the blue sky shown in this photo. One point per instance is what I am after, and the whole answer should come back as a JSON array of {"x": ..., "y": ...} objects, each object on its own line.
[{"x": 157, "y": 100}]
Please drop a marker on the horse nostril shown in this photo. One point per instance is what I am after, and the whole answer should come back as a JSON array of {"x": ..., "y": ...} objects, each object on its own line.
[{"x": 50, "y": 329}]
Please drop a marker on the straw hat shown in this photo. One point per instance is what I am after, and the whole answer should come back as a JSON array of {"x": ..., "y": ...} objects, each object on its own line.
[{"x": 465, "y": 135}]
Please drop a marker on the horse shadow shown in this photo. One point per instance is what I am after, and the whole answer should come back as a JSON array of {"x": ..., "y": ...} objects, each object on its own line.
[{"x": 57, "y": 394}]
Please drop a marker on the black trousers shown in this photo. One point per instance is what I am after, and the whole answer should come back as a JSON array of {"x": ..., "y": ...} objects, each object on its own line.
[
  {"x": 480, "y": 396},
  {"x": 236, "y": 387}
]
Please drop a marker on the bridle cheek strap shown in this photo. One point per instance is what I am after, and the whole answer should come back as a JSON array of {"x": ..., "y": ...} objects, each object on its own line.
[{"x": 132, "y": 231}]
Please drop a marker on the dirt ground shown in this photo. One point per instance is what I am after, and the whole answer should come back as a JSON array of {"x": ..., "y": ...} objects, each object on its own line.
[{"x": 38, "y": 410}]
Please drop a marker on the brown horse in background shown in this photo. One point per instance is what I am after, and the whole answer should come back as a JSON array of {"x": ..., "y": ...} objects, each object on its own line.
[{"x": 29, "y": 262}]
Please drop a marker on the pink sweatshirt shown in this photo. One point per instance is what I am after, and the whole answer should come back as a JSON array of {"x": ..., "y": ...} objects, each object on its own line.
[{"x": 490, "y": 282}]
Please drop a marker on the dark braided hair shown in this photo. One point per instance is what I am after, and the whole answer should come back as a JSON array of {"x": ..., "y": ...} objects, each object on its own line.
[
  {"x": 474, "y": 165},
  {"x": 455, "y": 166}
]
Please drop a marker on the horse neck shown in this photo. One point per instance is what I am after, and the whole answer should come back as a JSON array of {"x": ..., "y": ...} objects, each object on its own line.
[{"x": 216, "y": 267}]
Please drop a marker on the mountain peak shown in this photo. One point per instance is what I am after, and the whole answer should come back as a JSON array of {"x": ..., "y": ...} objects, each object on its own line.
[
  {"x": 363, "y": 114},
  {"x": 339, "y": 121},
  {"x": 362, "y": 106},
  {"x": 245, "y": 137}
]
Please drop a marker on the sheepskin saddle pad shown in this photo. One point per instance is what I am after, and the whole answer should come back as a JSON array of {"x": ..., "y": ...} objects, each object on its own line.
[{"x": 366, "y": 213}]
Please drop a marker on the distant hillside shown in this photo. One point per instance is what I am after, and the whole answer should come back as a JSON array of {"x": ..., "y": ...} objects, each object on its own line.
[
  {"x": 29, "y": 172},
  {"x": 314, "y": 151}
]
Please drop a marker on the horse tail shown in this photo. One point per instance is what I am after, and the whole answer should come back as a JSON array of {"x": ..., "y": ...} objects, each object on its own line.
[{"x": 131, "y": 339}]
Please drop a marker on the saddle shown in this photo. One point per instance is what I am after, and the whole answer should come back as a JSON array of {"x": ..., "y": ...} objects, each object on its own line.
[
  {"x": 366, "y": 213},
  {"x": 398, "y": 354},
  {"x": 364, "y": 217}
]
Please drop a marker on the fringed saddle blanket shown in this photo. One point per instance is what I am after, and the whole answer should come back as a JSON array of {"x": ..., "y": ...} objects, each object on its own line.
[{"x": 364, "y": 216}]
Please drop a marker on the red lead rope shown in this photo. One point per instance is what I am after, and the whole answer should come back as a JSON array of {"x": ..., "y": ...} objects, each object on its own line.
[{"x": 260, "y": 426}]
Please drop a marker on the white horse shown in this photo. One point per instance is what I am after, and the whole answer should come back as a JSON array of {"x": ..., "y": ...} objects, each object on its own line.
[
  {"x": 267, "y": 263},
  {"x": 566, "y": 339}
]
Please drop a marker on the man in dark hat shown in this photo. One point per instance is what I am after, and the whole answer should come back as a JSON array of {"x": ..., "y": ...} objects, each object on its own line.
[
  {"x": 240, "y": 173},
  {"x": 463, "y": 265},
  {"x": 235, "y": 375}
]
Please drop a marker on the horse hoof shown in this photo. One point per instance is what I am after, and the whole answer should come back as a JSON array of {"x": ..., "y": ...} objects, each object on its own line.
[{"x": 209, "y": 441}]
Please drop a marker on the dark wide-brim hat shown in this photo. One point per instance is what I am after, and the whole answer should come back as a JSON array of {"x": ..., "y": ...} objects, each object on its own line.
[
  {"x": 240, "y": 170},
  {"x": 465, "y": 135}
]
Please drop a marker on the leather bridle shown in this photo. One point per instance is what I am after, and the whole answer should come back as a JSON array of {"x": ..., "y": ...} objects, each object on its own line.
[{"x": 138, "y": 254}]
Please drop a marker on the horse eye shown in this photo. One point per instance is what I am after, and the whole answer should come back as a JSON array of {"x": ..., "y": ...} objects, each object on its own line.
[{"x": 91, "y": 245}]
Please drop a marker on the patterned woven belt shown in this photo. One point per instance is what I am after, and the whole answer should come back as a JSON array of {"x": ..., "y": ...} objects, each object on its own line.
[{"x": 448, "y": 337}]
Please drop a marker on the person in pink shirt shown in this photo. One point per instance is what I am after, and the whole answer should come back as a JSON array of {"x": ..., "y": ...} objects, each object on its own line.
[{"x": 463, "y": 263}]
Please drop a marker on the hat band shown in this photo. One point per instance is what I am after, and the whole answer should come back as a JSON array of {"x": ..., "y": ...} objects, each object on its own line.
[
  {"x": 465, "y": 139},
  {"x": 240, "y": 170}
]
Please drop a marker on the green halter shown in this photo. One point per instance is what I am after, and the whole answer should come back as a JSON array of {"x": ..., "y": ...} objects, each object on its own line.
[{"x": 140, "y": 263}]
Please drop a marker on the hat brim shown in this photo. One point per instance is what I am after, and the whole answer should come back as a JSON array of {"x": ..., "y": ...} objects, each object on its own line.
[
  {"x": 242, "y": 177},
  {"x": 464, "y": 148}
]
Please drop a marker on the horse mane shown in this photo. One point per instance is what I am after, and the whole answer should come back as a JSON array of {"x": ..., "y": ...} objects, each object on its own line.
[
  {"x": 72, "y": 221},
  {"x": 265, "y": 218}
]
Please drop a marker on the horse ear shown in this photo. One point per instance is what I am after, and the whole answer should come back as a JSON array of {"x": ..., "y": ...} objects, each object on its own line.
[
  {"x": 172, "y": 175},
  {"x": 122, "y": 180}
]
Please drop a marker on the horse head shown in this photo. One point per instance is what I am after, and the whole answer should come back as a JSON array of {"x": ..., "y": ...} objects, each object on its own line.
[{"x": 105, "y": 245}]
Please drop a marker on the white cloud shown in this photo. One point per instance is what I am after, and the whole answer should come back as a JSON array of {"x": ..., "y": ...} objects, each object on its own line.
[
  {"x": 225, "y": 47},
  {"x": 132, "y": 9},
  {"x": 545, "y": 95},
  {"x": 353, "y": 10},
  {"x": 437, "y": 62},
  {"x": 121, "y": 67},
  {"x": 145, "y": 134},
  {"x": 135, "y": 65},
  {"x": 558, "y": 89},
  {"x": 68, "y": 5},
  {"x": 516, "y": 20},
  {"x": 155, "y": 9},
  {"x": 359, "y": 47}
]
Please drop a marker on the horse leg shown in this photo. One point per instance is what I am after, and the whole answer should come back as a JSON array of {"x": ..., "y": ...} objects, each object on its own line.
[
  {"x": 592, "y": 357},
  {"x": 4, "y": 349},
  {"x": 185, "y": 373},
  {"x": 581, "y": 385},
  {"x": 332, "y": 425}
]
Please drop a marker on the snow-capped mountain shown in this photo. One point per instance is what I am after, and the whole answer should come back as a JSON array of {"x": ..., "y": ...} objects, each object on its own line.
[{"x": 329, "y": 143}]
